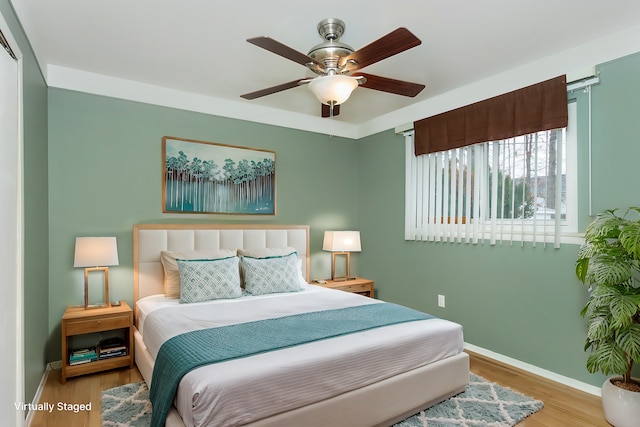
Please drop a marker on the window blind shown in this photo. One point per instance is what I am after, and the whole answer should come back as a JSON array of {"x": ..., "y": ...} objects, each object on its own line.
[{"x": 509, "y": 190}]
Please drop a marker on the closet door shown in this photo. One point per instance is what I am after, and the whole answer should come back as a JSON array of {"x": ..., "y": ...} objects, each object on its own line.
[{"x": 11, "y": 285}]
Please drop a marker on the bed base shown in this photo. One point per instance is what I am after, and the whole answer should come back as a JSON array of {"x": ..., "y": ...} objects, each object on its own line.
[{"x": 381, "y": 404}]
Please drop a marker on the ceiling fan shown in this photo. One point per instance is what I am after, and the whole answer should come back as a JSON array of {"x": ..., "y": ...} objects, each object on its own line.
[{"x": 335, "y": 63}]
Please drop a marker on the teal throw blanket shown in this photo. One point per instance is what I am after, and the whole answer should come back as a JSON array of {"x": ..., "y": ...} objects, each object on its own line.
[{"x": 185, "y": 352}]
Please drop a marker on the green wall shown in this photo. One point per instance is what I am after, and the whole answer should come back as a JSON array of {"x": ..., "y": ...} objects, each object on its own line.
[
  {"x": 105, "y": 175},
  {"x": 616, "y": 135},
  {"x": 520, "y": 301},
  {"x": 36, "y": 254}
]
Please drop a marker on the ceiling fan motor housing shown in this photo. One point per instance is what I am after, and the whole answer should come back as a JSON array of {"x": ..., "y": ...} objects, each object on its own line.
[{"x": 330, "y": 52}]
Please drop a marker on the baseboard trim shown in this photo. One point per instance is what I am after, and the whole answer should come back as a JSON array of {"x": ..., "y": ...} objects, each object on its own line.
[
  {"x": 38, "y": 394},
  {"x": 571, "y": 382}
]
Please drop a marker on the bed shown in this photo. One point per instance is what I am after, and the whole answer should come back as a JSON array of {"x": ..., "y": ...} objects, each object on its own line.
[{"x": 369, "y": 377}]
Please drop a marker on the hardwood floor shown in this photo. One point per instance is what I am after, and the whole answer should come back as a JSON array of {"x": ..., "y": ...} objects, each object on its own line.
[
  {"x": 79, "y": 390},
  {"x": 563, "y": 405}
]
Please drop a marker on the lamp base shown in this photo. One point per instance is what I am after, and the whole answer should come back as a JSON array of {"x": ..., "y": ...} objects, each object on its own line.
[
  {"x": 343, "y": 279},
  {"x": 92, "y": 306},
  {"x": 88, "y": 306},
  {"x": 335, "y": 278}
]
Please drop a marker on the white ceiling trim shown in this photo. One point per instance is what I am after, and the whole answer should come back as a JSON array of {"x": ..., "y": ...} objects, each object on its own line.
[
  {"x": 99, "y": 84},
  {"x": 595, "y": 52}
]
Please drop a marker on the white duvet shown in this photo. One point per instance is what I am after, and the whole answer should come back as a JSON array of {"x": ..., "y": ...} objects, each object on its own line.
[{"x": 244, "y": 390}]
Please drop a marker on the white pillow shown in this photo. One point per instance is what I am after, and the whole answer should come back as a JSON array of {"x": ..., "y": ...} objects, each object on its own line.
[
  {"x": 271, "y": 252},
  {"x": 171, "y": 273},
  {"x": 271, "y": 275},
  {"x": 204, "y": 280}
]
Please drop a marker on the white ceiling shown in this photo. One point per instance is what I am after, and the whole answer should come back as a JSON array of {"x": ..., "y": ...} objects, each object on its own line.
[{"x": 193, "y": 54}]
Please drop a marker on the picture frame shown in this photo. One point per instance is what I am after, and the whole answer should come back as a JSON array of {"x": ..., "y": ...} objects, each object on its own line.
[{"x": 201, "y": 177}]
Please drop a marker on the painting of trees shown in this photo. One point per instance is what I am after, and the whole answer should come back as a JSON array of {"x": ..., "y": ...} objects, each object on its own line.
[{"x": 206, "y": 177}]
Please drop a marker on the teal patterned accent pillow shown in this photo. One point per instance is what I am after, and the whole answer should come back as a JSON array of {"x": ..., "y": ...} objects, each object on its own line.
[
  {"x": 204, "y": 280},
  {"x": 272, "y": 274}
]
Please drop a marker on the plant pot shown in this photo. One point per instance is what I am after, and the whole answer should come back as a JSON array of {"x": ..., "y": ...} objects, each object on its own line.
[{"x": 621, "y": 407}]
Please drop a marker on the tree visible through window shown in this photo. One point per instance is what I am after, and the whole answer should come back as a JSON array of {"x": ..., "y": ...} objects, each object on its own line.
[{"x": 526, "y": 174}]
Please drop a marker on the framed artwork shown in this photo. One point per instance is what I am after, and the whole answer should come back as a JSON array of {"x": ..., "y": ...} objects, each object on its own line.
[{"x": 206, "y": 177}]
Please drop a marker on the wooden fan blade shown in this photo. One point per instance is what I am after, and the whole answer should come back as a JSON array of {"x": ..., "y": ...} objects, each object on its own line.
[
  {"x": 273, "y": 89},
  {"x": 283, "y": 50},
  {"x": 326, "y": 110},
  {"x": 385, "y": 84},
  {"x": 393, "y": 43}
]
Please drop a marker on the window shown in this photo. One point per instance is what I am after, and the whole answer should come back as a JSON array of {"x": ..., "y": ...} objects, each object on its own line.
[{"x": 518, "y": 189}]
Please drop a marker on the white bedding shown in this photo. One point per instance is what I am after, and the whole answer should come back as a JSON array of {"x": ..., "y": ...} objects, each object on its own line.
[{"x": 240, "y": 391}]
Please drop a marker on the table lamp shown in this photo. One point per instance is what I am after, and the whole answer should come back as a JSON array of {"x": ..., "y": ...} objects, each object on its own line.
[
  {"x": 341, "y": 243},
  {"x": 96, "y": 254}
]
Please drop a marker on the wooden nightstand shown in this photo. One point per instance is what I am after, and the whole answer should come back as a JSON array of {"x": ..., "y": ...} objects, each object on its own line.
[
  {"x": 78, "y": 321},
  {"x": 358, "y": 285}
]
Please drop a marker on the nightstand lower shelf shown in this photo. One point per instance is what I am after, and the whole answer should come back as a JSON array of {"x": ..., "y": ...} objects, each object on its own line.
[
  {"x": 78, "y": 321},
  {"x": 98, "y": 365}
]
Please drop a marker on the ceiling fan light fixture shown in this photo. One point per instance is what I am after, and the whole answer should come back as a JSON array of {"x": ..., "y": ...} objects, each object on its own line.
[{"x": 333, "y": 89}]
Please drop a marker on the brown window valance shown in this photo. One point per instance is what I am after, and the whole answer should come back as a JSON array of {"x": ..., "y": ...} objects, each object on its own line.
[{"x": 534, "y": 108}]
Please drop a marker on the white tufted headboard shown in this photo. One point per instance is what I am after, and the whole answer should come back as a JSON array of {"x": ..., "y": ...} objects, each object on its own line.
[{"x": 150, "y": 239}]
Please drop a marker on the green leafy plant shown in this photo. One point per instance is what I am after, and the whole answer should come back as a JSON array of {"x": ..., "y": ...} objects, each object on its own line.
[{"x": 608, "y": 262}]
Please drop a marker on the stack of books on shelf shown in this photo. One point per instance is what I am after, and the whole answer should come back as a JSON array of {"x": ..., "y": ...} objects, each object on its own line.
[
  {"x": 111, "y": 348},
  {"x": 84, "y": 355}
]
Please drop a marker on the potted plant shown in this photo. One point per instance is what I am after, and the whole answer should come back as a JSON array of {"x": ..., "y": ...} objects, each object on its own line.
[{"x": 608, "y": 262}]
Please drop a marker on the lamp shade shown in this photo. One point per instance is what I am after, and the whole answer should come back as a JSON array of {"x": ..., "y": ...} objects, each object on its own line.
[
  {"x": 95, "y": 252},
  {"x": 341, "y": 241},
  {"x": 333, "y": 89}
]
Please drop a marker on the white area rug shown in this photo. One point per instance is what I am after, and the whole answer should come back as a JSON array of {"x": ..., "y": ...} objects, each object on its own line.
[
  {"x": 126, "y": 406},
  {"x": 482, "y": 404}
]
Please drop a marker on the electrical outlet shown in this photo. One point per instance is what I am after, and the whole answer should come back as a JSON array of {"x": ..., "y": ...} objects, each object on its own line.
[{"x": 441, "y": 301}]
